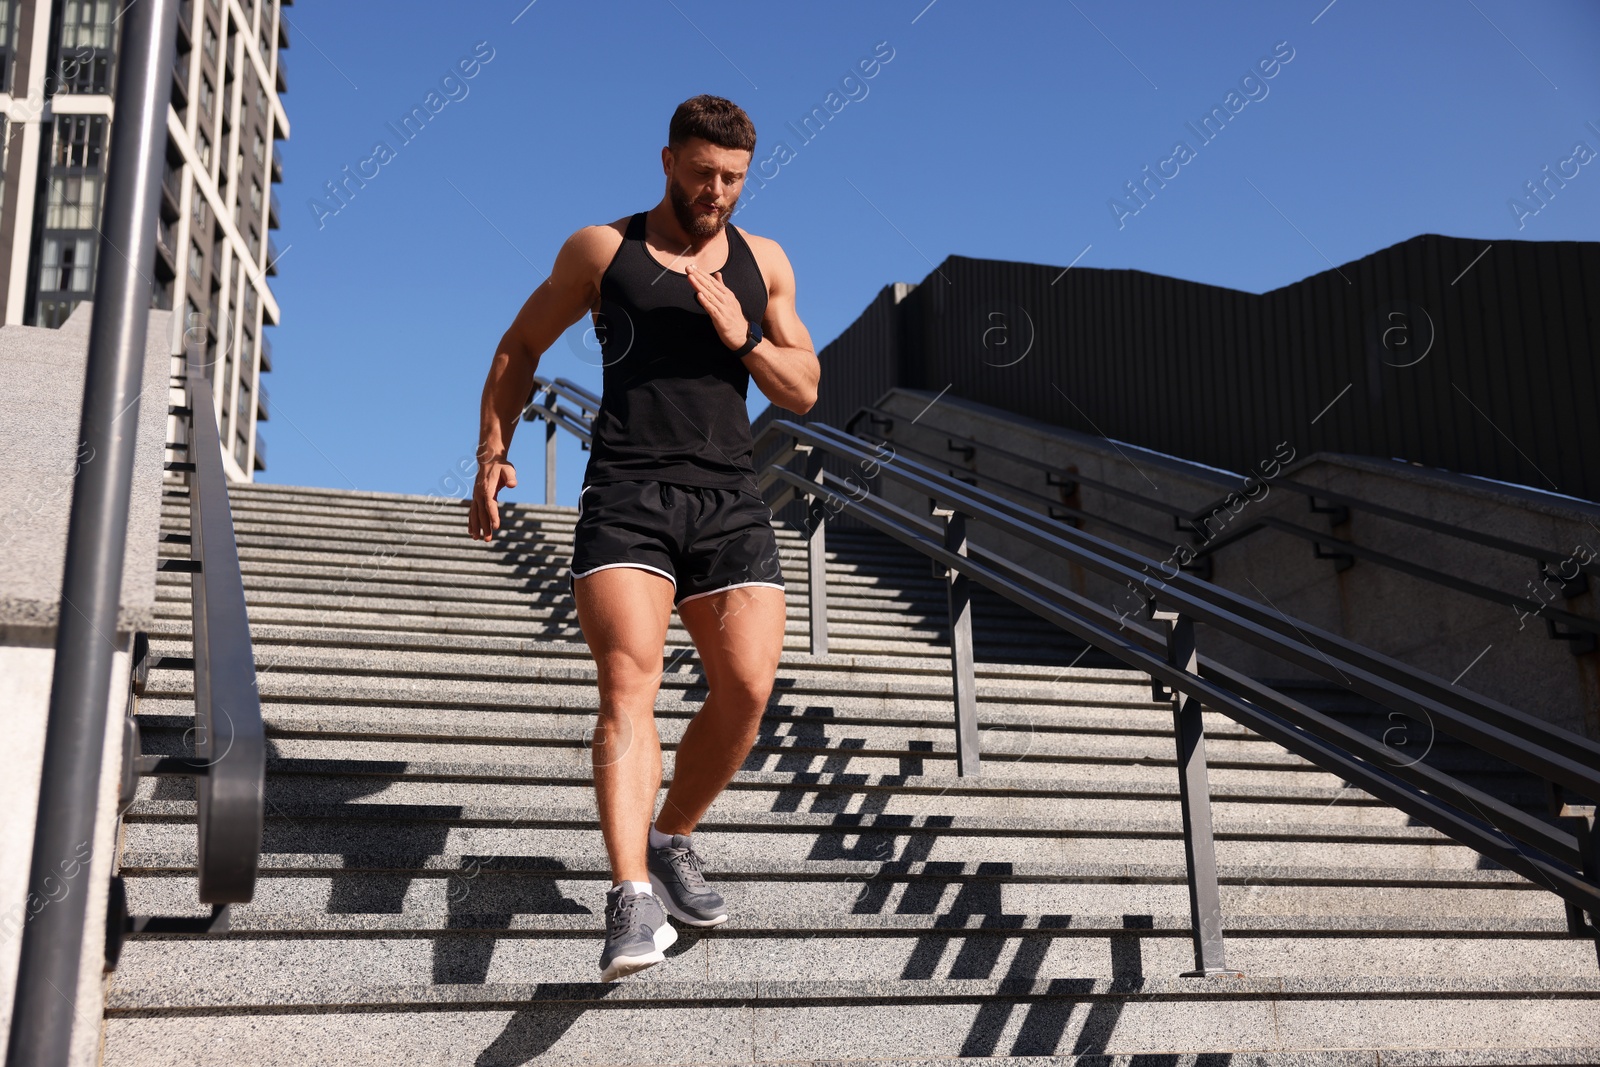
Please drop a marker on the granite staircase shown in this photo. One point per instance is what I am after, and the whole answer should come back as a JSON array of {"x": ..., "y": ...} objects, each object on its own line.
[{"x": 432, "y": 878}]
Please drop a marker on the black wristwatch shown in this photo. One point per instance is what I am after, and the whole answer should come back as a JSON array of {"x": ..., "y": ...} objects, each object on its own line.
[{"x": 751, "y": 340}]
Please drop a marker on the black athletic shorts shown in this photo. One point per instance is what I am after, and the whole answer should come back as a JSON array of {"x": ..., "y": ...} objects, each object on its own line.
[{"x": 703, "y": 540}]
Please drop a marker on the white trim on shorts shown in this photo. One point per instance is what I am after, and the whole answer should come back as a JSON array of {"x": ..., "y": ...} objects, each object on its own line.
[
  {"x": 724, "y": 589},
  {"x": 641, "y": 566}
]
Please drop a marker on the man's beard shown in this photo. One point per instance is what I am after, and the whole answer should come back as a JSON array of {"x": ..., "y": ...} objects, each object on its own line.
[{"x": 697, "y": 225}]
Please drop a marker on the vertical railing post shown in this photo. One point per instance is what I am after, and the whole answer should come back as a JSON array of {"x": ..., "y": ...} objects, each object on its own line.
[
  {"x": 550, "y": 446},
  {"x": 1581, "y": 819},
  {"x": 816, "y": 555},
  {"x": 46, "y": 1000},
  {"x": 958, "y": 597},
  {"x": 1589, "y": 851},
  {"x": 1194, "y": 797}
]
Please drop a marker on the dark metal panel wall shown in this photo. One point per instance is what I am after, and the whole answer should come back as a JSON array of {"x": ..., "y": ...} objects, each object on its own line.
[{"x": 1399, "y": 354}]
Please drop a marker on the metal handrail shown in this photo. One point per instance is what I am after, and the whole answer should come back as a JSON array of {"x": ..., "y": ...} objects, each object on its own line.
[
  {"x": 229, "y": 763},
  {"x": 1189, "y": 519},
  {"x": 1486, "y": 722},
  {"x": 1561, "y": 858},
  {"x": 574, "y": 422}
]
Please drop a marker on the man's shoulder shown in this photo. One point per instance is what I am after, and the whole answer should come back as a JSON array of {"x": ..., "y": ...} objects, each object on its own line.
[
  {"x": 756, "y": 241},
  {"x": 601, "y": 237},
  {"x": 589, "y": 249},
  {"x": 768, "y": 253}
]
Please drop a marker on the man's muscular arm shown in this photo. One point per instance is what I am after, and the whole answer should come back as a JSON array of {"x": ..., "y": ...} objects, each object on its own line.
[
  {"x": 784, "y": 363},
  {"x": 548, "y": 311}
]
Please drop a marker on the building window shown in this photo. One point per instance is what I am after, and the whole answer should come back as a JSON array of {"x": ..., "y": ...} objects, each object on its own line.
[
  {"x": 74, "y": 203},
  {"x": 200, "y": 210},
  {"x": 87, "y": 40},
  {"x": 68, "y": 264},
  {"x": 259, "y": 148},
  {"x": 80, "y": 141},
  {"x": 208, "y": 95},
  {"x": 75, "y": 178},
  {"x": 196, "y": 261},
  {"x": 208, "y": 41},
  {"x": 255, "y": 245},
  {"x": 203, "y": 150},
  {"x": 261, "y": 100},
  {"x": 8, "y": 45},
  {"x": 255, "y": 196},
  {"x": 87, "y": 23},
  {"x": 72, "y": 217}
]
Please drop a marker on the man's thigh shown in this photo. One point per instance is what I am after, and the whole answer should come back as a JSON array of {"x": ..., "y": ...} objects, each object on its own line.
[
  {"x": 739, "y": 637},
  {"x": 623, "y": 612}
]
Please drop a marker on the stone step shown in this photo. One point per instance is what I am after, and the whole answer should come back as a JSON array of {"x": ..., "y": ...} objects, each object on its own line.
[
  {"x": 277, "y": 570},
  {"x": 175, "y": 635},
  {"x": 560, "y": 623},
  {"x": 565, "y": 684},
  {"x": 543, "y": 622},
  {"x": 866, "y": 881},
  {"x": 901, "y": 677},
  {"x": 792, "y": 746},
  {"x": 520, "y": 1043},
  {"x": 328, "y": 606},
  {"x": 915, "y": 720},
  {"x": 469, "y": 950},
  {"x": 543, "y": 776},
  {"x": 1020, "y": 1013},
  {"x": 402, "y": 525},
  {"x": 895, "y": 899},
  {"x": 391, "y": 834},
  {"x": 1242, "y": 805},
  {"x": 782, "y": 769}
]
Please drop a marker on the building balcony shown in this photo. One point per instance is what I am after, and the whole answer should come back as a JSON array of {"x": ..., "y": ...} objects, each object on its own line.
[
  {"x": 273, "y": 211},
  {"x": 262, "y": 413},
  {"x": 277, "y": 163},
  {"x": 166, "y": 239},
  {"x": 266, "y": 356},
  {"x": 180, "y": 82},
  {"x": 172, "y": 187},
  {"x": 272, "y": 256},
  {"x": 261, "y": 453}
]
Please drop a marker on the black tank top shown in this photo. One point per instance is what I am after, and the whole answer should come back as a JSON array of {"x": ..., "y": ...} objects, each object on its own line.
[{"x": 672, "y": 406}]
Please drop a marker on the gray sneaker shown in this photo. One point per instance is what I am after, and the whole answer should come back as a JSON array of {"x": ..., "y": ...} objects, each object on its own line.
[
  {"x": 676, "y": 876},
  {"x": 637, "y": 932}
]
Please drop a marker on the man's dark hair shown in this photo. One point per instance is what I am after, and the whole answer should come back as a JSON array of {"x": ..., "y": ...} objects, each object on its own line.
[{"x": 718, "y": 120}]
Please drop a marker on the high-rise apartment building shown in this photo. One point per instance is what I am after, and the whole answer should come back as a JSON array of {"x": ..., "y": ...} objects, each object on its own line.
[{"x": 214, "y": 253}]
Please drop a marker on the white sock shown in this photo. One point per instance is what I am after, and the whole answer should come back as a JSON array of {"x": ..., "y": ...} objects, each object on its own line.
[
  {"x": 639, "y": 887},
  {"x": 659, "y": 839}
]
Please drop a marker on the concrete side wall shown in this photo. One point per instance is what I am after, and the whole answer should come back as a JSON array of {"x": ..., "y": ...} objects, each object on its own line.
[
  {"x": 40, "y": 452},
  {"x": 41, "y": 408},
  {"x": 26, "y": 661},
  {"x": 1490, "y": 648}
]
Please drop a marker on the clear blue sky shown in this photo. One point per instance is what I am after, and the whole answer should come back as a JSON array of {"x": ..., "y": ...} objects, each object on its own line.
[{"x": 997, "y": 130}]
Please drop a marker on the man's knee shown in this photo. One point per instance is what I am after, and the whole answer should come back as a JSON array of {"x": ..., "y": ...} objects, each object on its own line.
[
  {"x": 625, "y": 681},
  {"x": 744, "y": 693}
]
